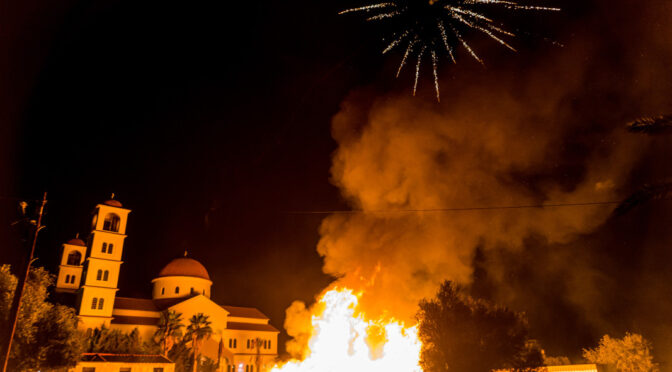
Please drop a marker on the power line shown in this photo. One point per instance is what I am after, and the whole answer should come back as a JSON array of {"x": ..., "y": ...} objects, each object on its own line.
[{"x": 462, "y": 209}]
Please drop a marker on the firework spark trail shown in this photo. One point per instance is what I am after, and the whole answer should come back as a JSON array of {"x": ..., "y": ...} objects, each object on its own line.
[
  {"x": 444, "y": 37},
  {"x": 422, "y": 26},
  {"x": 436, "y": 76},
  {"x": 403, "y": 60},
  {"x": 395, "y": 42},
  {"x": 368, "y": 8},
  {"x": 417, "y": 68}
]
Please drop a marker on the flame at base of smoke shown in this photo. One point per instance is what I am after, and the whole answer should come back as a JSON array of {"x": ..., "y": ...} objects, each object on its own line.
[{"x": 342, "y": 339}]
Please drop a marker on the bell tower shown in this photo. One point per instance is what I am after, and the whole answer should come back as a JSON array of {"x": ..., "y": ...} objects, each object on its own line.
[
  {"x": 70, "y": 269},
  {"x": 101, "y": 268}
]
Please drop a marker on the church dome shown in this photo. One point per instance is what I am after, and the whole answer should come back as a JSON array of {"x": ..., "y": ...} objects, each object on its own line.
[
  {"x": 76, "y": 241},
  {"x": 113, "y": 203},
  {"x": 184, "y": 266}
]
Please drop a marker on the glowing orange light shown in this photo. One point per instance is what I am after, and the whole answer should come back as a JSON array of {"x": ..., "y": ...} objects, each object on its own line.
[{"x": 344, "y": 340}]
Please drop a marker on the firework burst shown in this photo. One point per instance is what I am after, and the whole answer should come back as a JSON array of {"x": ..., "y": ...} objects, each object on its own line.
[{"x": 429, "y": 28}]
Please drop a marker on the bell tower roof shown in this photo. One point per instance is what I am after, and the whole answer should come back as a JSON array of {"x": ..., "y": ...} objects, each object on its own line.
[{"x": 112, "y": 202}]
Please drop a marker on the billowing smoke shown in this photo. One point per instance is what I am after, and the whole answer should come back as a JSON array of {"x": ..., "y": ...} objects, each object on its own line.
[
  {"x": 483, "y": 150},
  {"x": 537, "y": 128}
]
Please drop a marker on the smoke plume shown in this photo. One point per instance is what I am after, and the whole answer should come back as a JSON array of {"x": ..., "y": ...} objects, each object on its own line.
[{"x": 537, "y": 128}]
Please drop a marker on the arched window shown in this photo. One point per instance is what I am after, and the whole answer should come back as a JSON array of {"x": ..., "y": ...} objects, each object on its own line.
[
  {"x": 163, "y": 291},
  {"x": 235, "y": 343},
  {"x": 109, "y": 249},
  {"x": 100, "y": 303},
  {"x": 177, "y": 289},
  {"x": 99, "y": 275},
  {"x": 106, "y": 275},
  {"x": 104, "y": 249},
  {"x": 192, "y": 290},
  {"x": 72, "y": 279},
  {"x": 269, "y": 344},
  {"x": 94, "y": 303},
  {"x": 265, "y": 343},
  {"x": 247, "y": 368},
  {"x": 248, "y": 343},
  {"x": 67, "y": 278},
  {"x": 74, "y": 258},
  {"x": 111, "y": 222}
]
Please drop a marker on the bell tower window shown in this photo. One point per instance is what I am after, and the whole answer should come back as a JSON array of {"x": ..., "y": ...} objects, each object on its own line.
[
  {"x": 111, "y": 222},
  {"x": 74, "y": 258},
  {"x": 104, "y": 250}
]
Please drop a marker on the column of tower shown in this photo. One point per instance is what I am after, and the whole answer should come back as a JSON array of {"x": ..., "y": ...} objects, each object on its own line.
[{"x": 100, "y": 276}]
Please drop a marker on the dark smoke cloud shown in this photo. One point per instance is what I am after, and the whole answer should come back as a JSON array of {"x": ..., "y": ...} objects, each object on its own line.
[{"x": 542, "y": 127}]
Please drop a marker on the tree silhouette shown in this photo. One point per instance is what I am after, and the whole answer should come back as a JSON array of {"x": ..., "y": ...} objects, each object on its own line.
[
  {"x": 198, "y": 330},
  {"x": 632, "y": 353},
  {"x": 459, "y": 333},
  {"x": 170, "y": 329},
  {"x": 654, "y": 126}
]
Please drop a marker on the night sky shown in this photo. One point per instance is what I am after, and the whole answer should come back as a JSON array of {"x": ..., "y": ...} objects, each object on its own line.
[{"x": 213, "y": 120}]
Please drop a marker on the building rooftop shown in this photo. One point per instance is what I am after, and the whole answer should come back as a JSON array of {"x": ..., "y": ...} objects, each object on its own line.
[
  {"x": 76, "y": 241},
  {"x": 184, "y": 266},
  {"x": 251, "y": 327},
  {"x": 124, "y": 358}
]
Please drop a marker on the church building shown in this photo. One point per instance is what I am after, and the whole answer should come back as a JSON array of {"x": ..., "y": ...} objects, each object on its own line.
[{"x": 242, "y": 340}]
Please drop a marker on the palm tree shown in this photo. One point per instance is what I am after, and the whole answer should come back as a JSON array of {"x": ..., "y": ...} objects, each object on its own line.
[
  {"x": 170, "y": 329},
  {"x": 258, "y": 343},
  {"x": 653, "y": 126},
  {"x": 198, "y": 329}
]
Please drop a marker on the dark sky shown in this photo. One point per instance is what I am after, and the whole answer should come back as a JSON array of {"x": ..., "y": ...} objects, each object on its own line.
[{"x": 211, "y": 120}]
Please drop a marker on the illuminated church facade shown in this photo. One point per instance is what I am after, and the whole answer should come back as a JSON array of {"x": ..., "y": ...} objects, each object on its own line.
[{"x": 243, "y": 340}]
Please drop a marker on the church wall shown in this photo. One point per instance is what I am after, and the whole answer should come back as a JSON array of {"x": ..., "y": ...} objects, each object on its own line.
[
  {"x": 116, "y": 367},
  {"x": 164, "y": 287},
  {"x": 138, "y": 313},
  {"x": 98, "y": 238},
  {"x": 241, "y": 338}
]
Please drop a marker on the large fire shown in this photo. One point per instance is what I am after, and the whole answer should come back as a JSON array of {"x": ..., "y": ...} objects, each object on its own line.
[{"x": 343, "y": 339}]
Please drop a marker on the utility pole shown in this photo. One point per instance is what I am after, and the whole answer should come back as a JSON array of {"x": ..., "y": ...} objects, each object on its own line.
[{"x": 20, "y": 286}]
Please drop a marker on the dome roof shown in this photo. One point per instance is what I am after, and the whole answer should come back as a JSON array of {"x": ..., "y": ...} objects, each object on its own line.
[
  {"x": 76, "y": 241},
  {"x": 113, "y": 203},
  {"x": 184, "y": 266}
]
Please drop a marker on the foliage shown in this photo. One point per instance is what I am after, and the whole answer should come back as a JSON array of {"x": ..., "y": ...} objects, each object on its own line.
[
  {"x": 556, "y": 361},
  {"x": 169, "y": 331},
  {"x": 46, "y": 335},
  {"x": 460, "y": 333},
  {"x": 182, "y": 356},
  {"x": 632, "y": 353},
  {"x": 652, "y": 125},
  {"x": 105, "y": 340},
  {"x": 657, "y": 191},
  {"x": 198, "y": 330}
]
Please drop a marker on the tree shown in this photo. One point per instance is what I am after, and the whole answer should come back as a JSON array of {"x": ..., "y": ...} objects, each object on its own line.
[
  {"x": 460, "y": 333},
  {"x": 170, "y": 330},
  {"x": 632, "y": 353},
  {"x": 105, "y": 340},
  {"x": 198, "y": 330},
  {"x": 258, "y": 344},
  {"x": 46, "y": 335},
  {"x": 662, "y": 189}
]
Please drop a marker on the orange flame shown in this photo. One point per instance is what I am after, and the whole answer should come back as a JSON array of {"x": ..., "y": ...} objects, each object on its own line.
[{"x": 342, "y": 339}]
